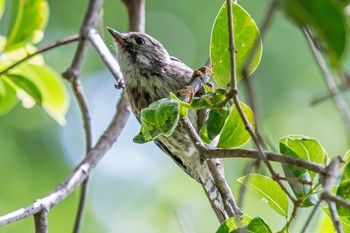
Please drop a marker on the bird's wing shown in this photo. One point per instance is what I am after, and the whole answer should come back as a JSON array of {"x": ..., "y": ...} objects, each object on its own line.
[{"x": 174, "y": 157}]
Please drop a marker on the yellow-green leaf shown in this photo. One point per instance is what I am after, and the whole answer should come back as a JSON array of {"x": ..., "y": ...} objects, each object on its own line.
[
  {"x": 344, "y": 191},
  {"x": 268, "y": 190},
  {"x": 2, "y": 7},
  {"x": 245, "y": 33},
  {"x": 55, "y": 99},
  {"x": 7, "y": 97},
  {"x": 23, "y": 84},
  {"x": 345, "y": 222},
  {"x": 257, "y": 225},
  {"x": 303, "y": 147},
  {"x": 233, "y": 223},
  {"x": 28, "y": 19},
  {"x": 234, "y": 132}
]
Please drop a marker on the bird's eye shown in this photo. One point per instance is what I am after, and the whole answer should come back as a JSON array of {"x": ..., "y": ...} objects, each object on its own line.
[{"x": 139, "y": 41}]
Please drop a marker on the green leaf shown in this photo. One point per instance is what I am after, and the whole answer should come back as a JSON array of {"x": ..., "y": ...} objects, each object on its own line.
[
  {"x": 203, "y": 134},
  {"x": 257, "y": 225},
  {"x": 300, "y": 190},
  {"x": 55, "y": 99},
  {"x": 345, "y": 222},
  {"x": 268, "y": 190},
  {"x": 159, "y": 118},
  {"x": 346, "y": 158},
  {"x": 210, "y": 100},
  {"x": 326, "y": 226},
  {"x": 2, "y": 7},
  {"x": 344, "y": 191},
  {"x": 331, "y": 30},
  {"x": 233, "y": 223},
  {"x": 26, "y": 85},
  {"x": 27, "y": 20},
  {"x": 15, "y": 55},
  {"x": 234, "y": 133},
  {"x": 245, "y": 33},
  {"x": 8, "y": 97},
  {"x": 214, "y": 124},
  {"x": 303, "y": 147}
]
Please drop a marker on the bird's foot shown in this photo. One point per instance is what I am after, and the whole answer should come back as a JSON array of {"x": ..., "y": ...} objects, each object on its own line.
[
  {"x": 201, "y": 71},
  {"x": 187, "y": 92}
]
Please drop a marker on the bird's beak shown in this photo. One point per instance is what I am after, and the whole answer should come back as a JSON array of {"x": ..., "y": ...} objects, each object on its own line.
[{"x": 117, "y": 36}]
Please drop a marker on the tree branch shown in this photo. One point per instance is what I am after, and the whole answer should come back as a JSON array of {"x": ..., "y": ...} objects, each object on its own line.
[
  {"x": 234, "y": 94},
  {"x": 91, "y": 16},
  {"x": 82, "y": 171},
  {"x": 254, "y": 154},
  {"x": 106, "y": 57},
  {"x": 40, "y": 219},
  {"x": 64, "y": 41},
  {"x": 84, "y": 109},
  {"x": 307, "y": 223},
  {"x": 72, "y": 74},
  {"x": 136, "y": 9},
  {"x": 332, "y": 87},
  {"x": 328, "y": 180}
]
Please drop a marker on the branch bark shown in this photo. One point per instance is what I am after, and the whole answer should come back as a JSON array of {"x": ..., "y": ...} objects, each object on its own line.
[
  {"x": 48, "y": 47},
  {"x": 137, "y": 18},
  {"x": 332, "y": 87},
  {"x": 105, "y": 142},
  {"x": 40, "y": 219}
]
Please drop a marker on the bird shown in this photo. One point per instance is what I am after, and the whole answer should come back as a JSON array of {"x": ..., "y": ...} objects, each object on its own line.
[{"x": 150, "y": 74}]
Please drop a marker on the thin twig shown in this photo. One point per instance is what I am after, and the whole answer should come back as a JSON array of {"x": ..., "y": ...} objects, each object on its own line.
[
  {"x": 64, "y": 41},
  {"x": 251, "y": 99},
  {"x": 266, "y": 23},
  {"x": 91, "y": 16},
  {"x": 232, "y": 48},
  {"x": 255, "y": 154},
  {"x": 343, "y": 87},
  {"x": 335, "y": 216},
  {"x": 308, "y": 221},
  {"x": 40, "y": 220},
  {"x": 84, "y": 109},
  {"x": 106, "y": 57},
  {"x": 328, "y": 179},
  {"x": 72, "y": 74},
  {"x": 82, "y": 171},
  {"x": 245, "y": 71},
  {"x": 332, "y": 87},
  {"x": 234, "y": 91},
  {"x": 337, "y": 199},
  {"x": 296, "y": 180}
]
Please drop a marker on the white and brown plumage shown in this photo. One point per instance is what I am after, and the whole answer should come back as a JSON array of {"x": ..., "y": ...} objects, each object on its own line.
[{"x": 150, "y": 74}]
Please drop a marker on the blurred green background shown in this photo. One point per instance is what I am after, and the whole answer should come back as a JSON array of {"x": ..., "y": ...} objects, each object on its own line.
[{"x": 136, "y": 188}]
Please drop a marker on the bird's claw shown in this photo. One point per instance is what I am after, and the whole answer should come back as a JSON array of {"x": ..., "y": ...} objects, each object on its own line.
[
  {"x": 187, "y": 92},
  {"x": 201, "y": 71}
]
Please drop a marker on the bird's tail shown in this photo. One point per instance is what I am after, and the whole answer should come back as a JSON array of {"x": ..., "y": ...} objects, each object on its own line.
[
  {"x": 218, "y": 194},
  {"x": 212, "y": 192}
]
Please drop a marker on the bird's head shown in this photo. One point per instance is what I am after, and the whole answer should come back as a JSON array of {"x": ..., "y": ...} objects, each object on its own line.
[{"x": 140, "y": 50}]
